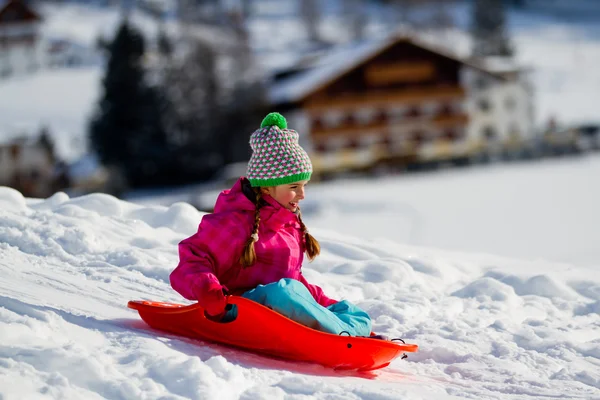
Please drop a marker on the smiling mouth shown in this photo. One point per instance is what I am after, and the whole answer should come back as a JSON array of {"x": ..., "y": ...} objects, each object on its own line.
[{"x": 293, "y": 204}]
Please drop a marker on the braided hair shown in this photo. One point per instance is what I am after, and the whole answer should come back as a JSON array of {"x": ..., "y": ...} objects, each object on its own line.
[
  {"x": 248, "y": 257},
  {"x": 248, "y": 254}
]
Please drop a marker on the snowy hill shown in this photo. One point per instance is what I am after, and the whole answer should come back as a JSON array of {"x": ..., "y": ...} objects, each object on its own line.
[{"x": 488, "y": 327}]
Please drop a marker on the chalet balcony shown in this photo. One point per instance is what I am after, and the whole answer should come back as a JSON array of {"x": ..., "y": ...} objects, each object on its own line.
[
  {"x": 379, "y": 127},
  {"x": 352, "y": 102}
]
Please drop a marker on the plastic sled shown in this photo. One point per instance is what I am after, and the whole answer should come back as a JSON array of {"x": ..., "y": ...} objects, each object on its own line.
[{"x": 259, "y": 329}]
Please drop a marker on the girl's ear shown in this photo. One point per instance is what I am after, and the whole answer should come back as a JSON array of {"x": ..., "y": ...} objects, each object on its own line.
[{"x": 265, "y": 190}]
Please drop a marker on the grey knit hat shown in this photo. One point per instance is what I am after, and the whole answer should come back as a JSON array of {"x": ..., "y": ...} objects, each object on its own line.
[{"x": 277, "y": 158}]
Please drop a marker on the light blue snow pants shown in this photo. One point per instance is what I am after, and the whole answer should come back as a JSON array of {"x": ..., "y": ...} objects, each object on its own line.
[{"x": 291, "y": 298}]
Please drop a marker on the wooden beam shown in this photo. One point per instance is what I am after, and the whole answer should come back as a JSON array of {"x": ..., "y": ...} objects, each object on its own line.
[
  {"x": 320, "y": 104},
  {"x": 408, "y": 124},
  {"x": 383, "y": 74}
]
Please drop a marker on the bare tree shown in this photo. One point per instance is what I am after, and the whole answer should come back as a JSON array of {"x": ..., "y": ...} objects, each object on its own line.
[
  {"x": 310, "y": 13},
  {"x": 489, "y": 30},
  {"x": 441, "y": 16},
  {"x": 357, "y": 19}
]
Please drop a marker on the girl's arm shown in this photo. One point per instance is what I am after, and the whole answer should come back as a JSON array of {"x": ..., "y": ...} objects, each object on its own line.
[
  {"x": 201, "y": 257},
  {"x": 317, "y": 293}
]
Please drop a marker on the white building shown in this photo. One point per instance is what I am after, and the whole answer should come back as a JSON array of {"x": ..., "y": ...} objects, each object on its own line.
[
  {"x": 27, "y": 164},
  {"x": 500, "y": 106},
  {"x": 20, "y": 45}
]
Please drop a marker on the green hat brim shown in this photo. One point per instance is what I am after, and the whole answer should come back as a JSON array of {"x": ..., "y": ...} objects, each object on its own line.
[{"x": 303, "y": 176}]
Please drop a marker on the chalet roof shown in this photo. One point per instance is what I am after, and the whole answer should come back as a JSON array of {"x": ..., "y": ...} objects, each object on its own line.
[
  {"x": 340, "y": 61},
  {"x": 32, "y": 13}
]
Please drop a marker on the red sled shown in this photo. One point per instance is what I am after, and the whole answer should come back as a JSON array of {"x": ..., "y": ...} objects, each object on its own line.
[{"x": 259, "y": 329}]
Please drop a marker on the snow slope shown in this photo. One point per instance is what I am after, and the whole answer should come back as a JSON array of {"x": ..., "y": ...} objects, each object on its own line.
[{"x": 488, "y": 327}]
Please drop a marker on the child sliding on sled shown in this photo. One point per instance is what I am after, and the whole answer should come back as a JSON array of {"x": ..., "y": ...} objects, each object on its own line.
[{"x": 253, "y": 244}]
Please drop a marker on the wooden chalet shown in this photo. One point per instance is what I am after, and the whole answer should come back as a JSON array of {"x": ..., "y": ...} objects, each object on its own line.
[{"x": 394, "y": 101}]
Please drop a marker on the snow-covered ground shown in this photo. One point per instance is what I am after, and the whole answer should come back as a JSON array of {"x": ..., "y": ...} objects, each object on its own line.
[
  {"x": 62, "y": 100},
  {"x": 536, "y": 211},
  {"x": 488, "y": 327}
]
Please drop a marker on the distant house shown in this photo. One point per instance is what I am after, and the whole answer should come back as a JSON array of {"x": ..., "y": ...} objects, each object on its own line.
[
  {"x": 393, "y": 101},
  {"x": 20, "y": 49},
  {"x": 67, "y": 53},
  {"x": 500, "y": 107},
  {"x": 28, "y": 165}
]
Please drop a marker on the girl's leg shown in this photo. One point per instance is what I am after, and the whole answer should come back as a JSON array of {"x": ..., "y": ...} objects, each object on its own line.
[{"x": 291, "y": 298}]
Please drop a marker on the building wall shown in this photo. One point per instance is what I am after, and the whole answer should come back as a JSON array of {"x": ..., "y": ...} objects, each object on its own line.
[
  {"x": 20, "y": 48},
  {"x": 26, "y": 167},
  {"x": 501, "y": 111}
]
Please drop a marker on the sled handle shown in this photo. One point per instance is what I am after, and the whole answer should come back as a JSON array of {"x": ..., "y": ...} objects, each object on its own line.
[{"x": 230, "y": 315}]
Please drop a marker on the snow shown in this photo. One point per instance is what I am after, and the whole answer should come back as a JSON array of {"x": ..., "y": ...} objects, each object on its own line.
[
  {"x": 488, "y": 326},
  {"x": 63, "y": 100}
]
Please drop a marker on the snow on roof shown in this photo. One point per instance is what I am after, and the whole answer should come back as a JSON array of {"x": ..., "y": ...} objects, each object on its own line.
[
  {"x": 347, "y": 57},
  {"x": 325, "y": 69},
  {"x": 500, "y": 64}
]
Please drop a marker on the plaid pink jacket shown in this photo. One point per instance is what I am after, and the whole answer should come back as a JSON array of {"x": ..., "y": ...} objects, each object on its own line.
[{"x": 208, "y": 260}]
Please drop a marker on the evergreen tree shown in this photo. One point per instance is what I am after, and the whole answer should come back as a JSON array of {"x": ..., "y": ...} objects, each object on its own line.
[
  {"x": 127, "y": 131},
  {"x": 488, "y": 27}
]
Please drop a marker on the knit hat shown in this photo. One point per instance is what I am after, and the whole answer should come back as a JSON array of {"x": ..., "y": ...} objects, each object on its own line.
[{"x": 277, "y": 158}]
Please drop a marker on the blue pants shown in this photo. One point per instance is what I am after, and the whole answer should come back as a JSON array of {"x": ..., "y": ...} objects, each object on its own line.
[{"x": 291, "y": 298}]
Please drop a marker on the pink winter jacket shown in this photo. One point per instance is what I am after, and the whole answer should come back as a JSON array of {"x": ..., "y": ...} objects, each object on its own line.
[{"x": 209, "y": 260}]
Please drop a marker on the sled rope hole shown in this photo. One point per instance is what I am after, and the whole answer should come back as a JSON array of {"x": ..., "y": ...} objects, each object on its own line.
[{"x": 403, "y": 354}]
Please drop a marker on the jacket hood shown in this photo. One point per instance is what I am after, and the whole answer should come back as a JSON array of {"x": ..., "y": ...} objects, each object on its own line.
[{"x": 237, "y": 198}]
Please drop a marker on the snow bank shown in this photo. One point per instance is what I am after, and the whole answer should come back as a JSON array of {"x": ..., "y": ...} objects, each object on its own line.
[{"x": 488, "y": 327}]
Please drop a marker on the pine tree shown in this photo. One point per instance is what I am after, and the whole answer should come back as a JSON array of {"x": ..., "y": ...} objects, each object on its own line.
[
  {"x": 127, "y": 131},
  {"x": 488, "y": 27}
]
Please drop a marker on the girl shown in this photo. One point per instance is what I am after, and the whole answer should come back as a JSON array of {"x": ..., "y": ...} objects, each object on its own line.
[{"x": 253, "y": 244}]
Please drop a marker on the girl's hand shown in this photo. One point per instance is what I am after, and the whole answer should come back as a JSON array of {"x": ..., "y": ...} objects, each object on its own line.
[{"x": 215, "y": 302}]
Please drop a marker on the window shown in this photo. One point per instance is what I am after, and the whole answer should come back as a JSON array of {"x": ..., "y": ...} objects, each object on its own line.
[
  {"x": 15, "y": 151},
  {"x": 484, "y": 105},
  {"x": 353, "y": 144},
  {"x": 480, "y": 83},
  {"x": 419, "y": 136},
  {"x": 414, "y": 112},
  {"x": 316, "y": 124},
  {"x": 333, "y": 118},
  {"x": 489, "y": 133},
  {"x": 450, "y": 134},
  {"x": 430, "y": 108},
  {"x": 396, "y": 113},
  {"x": 511, "y": 103},
  {"x": 446, "y": 109},
  {"x": 364, "y": 116}
]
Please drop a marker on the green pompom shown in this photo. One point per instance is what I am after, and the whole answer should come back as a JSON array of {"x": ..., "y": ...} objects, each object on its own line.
[{"x": 274, "y": 119}]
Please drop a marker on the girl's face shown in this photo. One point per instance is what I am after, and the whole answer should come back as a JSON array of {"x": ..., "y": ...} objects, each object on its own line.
[{"x": 288, "y": 195}]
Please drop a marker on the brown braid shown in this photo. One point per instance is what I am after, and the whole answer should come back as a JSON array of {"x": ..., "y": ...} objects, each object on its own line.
[
  {"x": 248, "y": 257},
  {"x": 313, "y": 248}
]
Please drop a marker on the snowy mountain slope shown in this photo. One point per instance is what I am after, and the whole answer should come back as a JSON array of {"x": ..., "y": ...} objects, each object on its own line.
[{"x": 487, "y": 327}]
